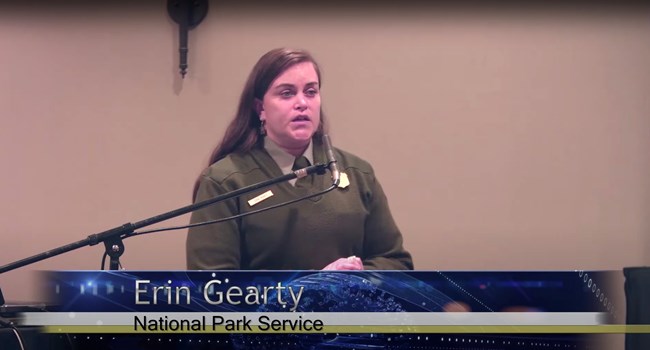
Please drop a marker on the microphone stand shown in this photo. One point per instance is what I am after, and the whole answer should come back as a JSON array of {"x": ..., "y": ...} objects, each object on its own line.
[{"x": 112, "y": 238}]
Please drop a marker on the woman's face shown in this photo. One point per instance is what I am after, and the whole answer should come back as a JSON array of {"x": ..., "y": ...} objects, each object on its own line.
[{"x": 291, "y": 106}]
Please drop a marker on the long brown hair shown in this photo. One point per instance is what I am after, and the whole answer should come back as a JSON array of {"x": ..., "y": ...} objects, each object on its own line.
[{"x": 242, "y": 133}]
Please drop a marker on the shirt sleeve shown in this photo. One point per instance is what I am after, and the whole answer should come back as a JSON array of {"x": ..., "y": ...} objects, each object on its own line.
[
  {"x": 383, "y": 248},
  {"x": 213, "y": 246}
]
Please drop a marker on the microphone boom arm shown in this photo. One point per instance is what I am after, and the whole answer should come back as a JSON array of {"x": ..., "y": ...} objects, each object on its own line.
[{"x": 112, "y": 238}]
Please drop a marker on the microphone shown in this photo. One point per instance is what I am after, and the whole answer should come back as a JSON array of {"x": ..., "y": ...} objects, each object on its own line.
[{"x": 334, "y": 168}]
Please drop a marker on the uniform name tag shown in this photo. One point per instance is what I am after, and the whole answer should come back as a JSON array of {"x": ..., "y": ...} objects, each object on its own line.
[{"x": 260, "y": 198}]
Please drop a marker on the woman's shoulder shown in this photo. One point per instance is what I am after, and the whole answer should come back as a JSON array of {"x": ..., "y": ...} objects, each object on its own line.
[
  {"x": 233, "y": 165},
  {"x": 350, "y": 161}
]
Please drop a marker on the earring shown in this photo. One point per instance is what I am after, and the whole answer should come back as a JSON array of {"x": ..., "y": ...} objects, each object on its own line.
[{"x": 262, "y": 128}]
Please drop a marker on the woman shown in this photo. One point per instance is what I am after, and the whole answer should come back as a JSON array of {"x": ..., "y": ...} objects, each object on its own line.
[{"x": 280, "y": 122}]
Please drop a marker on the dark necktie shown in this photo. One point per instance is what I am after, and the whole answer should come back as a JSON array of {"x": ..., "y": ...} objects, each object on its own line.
[{"x": 299, "y": 163}]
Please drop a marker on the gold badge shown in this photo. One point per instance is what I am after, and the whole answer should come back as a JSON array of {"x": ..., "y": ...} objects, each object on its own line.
[{"x": 344, "y": 181}]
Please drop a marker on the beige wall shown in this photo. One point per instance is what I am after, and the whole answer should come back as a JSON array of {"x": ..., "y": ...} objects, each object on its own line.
[{"x": 505, "y": 140}]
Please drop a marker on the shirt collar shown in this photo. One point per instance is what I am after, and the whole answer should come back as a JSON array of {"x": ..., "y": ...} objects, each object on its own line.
[{"x": 283, "y": 159}]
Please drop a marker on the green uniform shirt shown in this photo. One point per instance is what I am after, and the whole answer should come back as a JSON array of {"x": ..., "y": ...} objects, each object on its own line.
[{"x": 305, "y": 235}]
